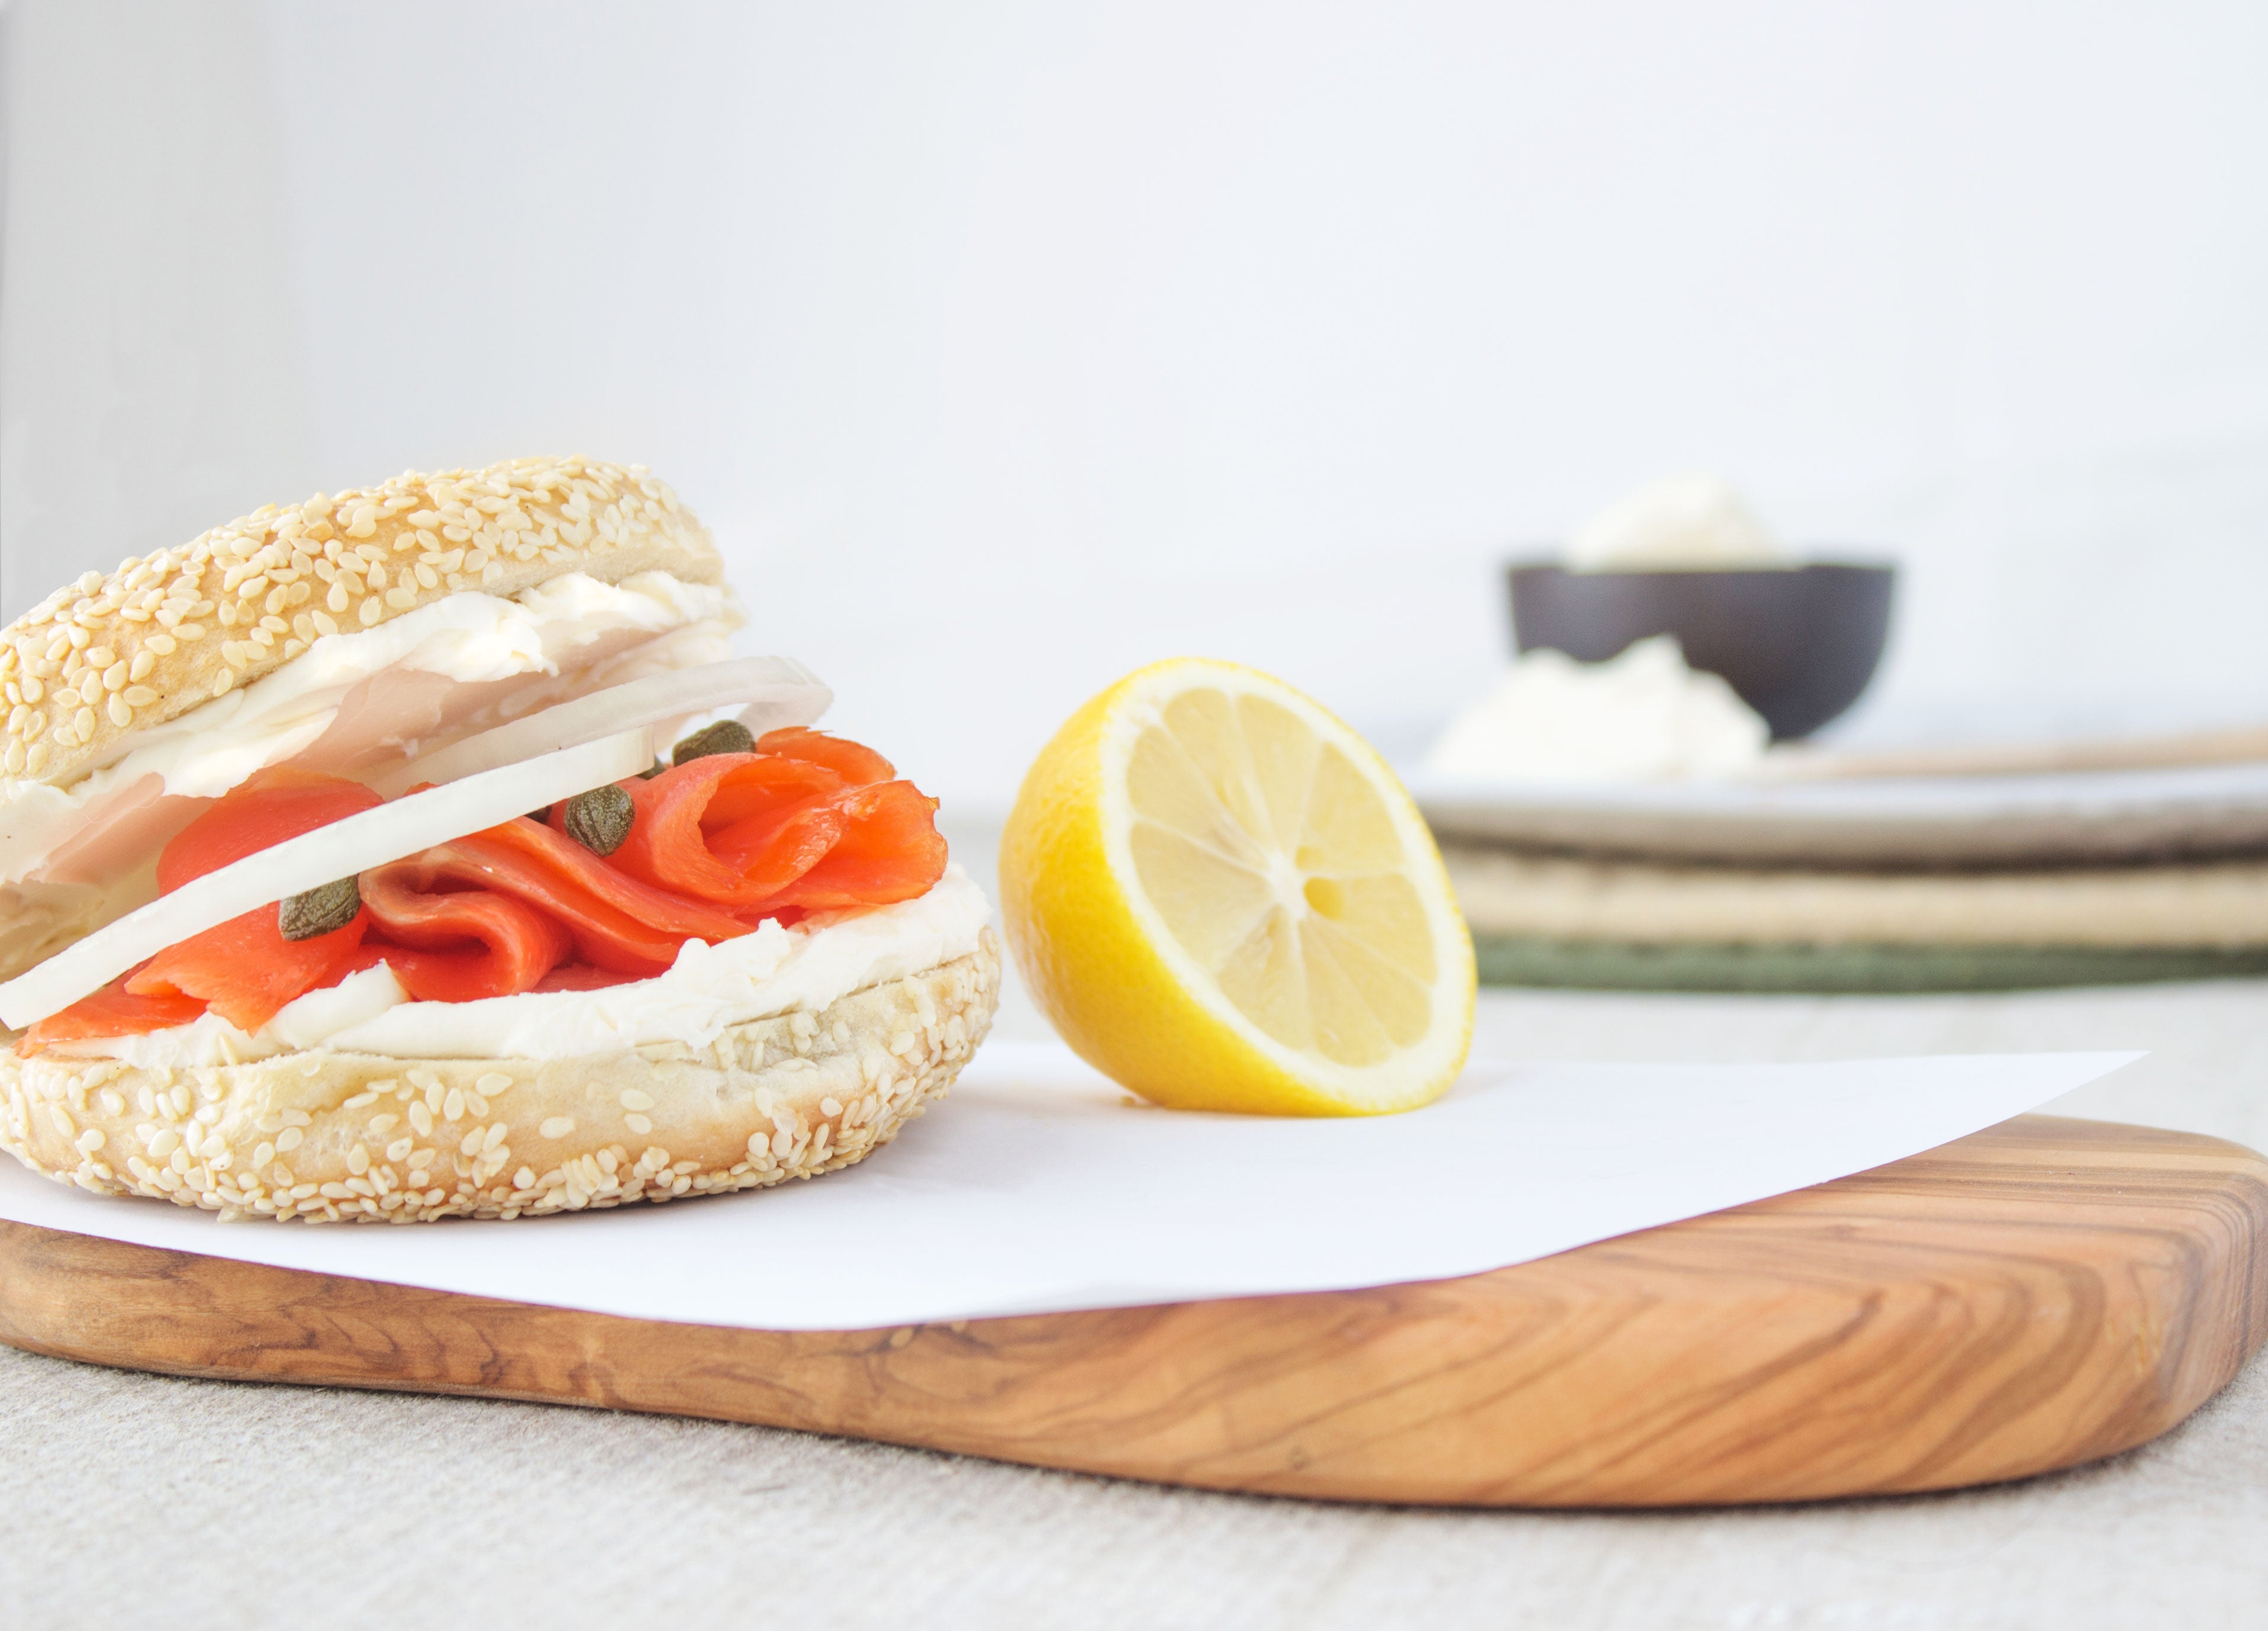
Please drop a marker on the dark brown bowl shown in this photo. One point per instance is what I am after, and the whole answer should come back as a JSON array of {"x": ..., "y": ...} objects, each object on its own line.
[{"x": 1799, "y": 643}]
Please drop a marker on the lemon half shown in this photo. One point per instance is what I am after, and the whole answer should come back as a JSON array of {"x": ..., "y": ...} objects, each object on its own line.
[{"x": 1224, "y": 900}]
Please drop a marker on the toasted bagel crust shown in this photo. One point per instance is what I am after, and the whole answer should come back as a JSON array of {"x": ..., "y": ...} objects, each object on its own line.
[
  {"x": 102, "y": 658},
  {"x": 336, "y": 1137}
]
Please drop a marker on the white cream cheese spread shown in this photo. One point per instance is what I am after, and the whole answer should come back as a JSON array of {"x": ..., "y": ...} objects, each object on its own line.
[
  {"x": 706, "y": 992},
  {"x": 1642, "y": 716},
  {"x": 1680, "y": 523}
]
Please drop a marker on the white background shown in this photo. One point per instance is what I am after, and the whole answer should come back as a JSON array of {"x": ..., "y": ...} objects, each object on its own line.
[{"x": 1007, "y": 347}]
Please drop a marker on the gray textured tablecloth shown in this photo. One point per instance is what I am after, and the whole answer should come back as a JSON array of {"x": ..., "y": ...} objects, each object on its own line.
[{"x": 132, "y": 1499}]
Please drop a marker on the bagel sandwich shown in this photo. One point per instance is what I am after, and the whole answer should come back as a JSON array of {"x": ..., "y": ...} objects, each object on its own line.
[{"x": 424, "y": 851}]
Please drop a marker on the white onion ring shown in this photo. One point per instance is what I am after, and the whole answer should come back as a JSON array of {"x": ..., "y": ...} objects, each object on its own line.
[
  {"x": 368, "y": 838},
  {"x": 778, "y": 690}
]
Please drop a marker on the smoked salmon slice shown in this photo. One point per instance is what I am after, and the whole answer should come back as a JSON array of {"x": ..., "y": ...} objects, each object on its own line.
[
  {"x": 859, "y": 765},
  {"x": 618, "y": 923},
  {"x": 808, "y": 821},
  {"x": 456, "y": 946},
  {"x": 113, "y": 1011},
  {"x": 776, "y": 809},
  {"x": 245, "y": 970},
  {"x": 272, "y": 805},
  {"x": 890, "y": 850}
]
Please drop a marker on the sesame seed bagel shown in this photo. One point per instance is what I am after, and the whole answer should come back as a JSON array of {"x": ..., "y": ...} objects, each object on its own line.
[
  {"x": 102, "y": 658},
  {"x": 352, "y": 1137}
]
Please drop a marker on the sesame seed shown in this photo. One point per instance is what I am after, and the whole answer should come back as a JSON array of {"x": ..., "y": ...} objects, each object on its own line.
[
  {"x": 637, "y": 1123},
  {"x": 632, "y": 1099},
  {"x": 453, "y": 1106},
  {"x": 557, "y": 1126}
]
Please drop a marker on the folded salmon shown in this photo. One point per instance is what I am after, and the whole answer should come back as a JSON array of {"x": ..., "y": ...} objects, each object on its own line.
[
  {"x": 805, "y": 821},
  {"x": 245, "y": 969},
  {"x": 615, "y": 921},
  {"x": 457, "y": 945},
  {"x": 114, "y": 1011}
]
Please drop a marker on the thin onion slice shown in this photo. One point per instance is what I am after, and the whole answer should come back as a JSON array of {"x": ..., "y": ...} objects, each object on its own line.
[
  {"x": 390, "y": 832},
  {"x": 779, "y": 691}
]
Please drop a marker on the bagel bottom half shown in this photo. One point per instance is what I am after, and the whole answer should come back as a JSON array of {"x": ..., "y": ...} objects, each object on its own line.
[{"x": 356, "y": 1137}]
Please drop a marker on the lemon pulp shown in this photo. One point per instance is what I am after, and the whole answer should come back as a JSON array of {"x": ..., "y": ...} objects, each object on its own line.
[{"x": 1277, "y": 868}]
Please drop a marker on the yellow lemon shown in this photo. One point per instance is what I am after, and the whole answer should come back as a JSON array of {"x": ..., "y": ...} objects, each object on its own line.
[{"x": 1224, "y": 900}]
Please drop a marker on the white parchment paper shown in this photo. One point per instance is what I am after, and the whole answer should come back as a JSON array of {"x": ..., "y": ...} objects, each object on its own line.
[{"x": 1037, "y": 1186}]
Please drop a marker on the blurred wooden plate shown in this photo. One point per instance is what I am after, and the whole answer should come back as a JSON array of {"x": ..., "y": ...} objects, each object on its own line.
[{"x": 1911, "y": 821}]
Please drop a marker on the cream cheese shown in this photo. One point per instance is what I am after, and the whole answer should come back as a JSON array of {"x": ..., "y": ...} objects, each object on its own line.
[
  {"x": 1681, "y": 523},
  {"x": 353, "y": 700},
  {"x": 706, "y": 992},
  {"x": 1642, "y": 716}
]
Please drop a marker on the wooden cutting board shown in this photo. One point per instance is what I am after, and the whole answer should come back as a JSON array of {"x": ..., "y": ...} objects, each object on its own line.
[{"x": 2044, "y": 1292}]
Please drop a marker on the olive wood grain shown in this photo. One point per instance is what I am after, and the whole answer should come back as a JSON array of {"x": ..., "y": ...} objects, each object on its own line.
[{"x": 2039, "y": 1295}]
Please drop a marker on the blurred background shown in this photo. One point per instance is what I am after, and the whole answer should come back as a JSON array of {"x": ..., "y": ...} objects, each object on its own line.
[{"x": 1005, "y": 347}]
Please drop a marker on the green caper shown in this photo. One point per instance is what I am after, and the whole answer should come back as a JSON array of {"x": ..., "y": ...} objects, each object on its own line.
[
  {"x": 318, "y": 911},
  {"x": 724, "y": 736},
  {"x": 600, "y": 819}
]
